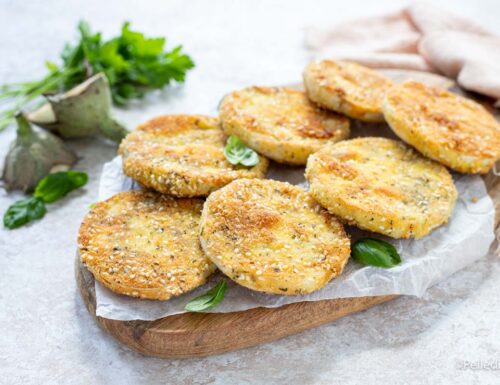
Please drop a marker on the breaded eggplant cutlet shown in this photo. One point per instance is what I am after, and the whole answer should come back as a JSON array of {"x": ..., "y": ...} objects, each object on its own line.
[
  {"x": 280, "y": 123},
  {"x": 145, "y": 245},
  {"x": 182, "y": 155},
  {"x": 443, "y": 126},
  {"x": 272, "y": 237},
  {"x": 382, "y": 185},
  {"x": 348, "y": 88}
]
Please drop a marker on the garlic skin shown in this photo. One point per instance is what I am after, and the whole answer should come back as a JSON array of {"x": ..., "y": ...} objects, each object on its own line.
[
  {"x": 32, "y": 155},
  {"x": 82, "y": 111}
]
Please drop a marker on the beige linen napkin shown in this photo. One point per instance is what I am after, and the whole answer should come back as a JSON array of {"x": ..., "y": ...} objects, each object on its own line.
[{"x": 420, "y": 37}]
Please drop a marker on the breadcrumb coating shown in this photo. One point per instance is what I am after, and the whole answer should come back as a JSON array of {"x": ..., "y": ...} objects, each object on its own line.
[
  {"x": 280, "y": 123},
  {"x": 182, "y": 155},
  {"x": 272, "y": 237},
  {"x": 145, "y": 245},
  {"x": 381, "y": 185}
]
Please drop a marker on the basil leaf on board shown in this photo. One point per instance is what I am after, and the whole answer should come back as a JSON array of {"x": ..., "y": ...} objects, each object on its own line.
[
  {"x": 374, "y": 252},
  {"x": 236, "y": 152},
  {"x": 55, "y": 186},
  {"x": 208, "y": 300},
  {"x": 24, "y": 211}
]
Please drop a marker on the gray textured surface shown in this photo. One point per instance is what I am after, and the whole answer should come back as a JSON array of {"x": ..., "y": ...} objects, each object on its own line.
[{"x": 48, "y": 337}]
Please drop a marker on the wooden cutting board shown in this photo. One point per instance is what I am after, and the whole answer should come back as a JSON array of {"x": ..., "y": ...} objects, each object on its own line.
[
  {"x": 197, "y": 334},
  {"x": 200, "y": 334}
]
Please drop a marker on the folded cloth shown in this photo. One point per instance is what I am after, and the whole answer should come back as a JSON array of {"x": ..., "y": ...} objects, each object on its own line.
[{"x": 420, "y": 37}]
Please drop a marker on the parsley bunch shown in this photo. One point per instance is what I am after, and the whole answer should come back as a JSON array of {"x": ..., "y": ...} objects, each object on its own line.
[{"x": 132, "y": 63}]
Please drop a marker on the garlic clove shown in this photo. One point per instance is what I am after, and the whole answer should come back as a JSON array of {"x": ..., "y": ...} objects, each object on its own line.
[
  {"x": 32, "y": 155},
  {"x": 82, "y": 111}
]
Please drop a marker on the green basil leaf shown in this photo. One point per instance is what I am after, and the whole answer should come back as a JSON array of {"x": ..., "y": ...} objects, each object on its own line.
[
  {"x": 208, "y": 300},
  {"x": 374, "y": 252},
  {"x": 55, "y": 186},
  {"x": 237, "y": 153},
  {"x": 24, "y": 211}
]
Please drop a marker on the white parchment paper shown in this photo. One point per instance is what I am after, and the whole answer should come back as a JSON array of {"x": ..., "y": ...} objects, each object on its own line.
[{"x": 466, "y": 238}]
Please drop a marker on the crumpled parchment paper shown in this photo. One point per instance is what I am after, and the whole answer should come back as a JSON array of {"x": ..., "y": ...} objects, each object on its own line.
[{"x": 466, "y": 238}]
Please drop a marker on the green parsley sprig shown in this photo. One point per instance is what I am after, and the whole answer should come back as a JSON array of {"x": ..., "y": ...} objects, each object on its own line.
[{"x": 132, "y": 63}]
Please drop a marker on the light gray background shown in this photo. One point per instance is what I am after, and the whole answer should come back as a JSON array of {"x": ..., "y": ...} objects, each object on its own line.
[{"x": 49, "y": 338}]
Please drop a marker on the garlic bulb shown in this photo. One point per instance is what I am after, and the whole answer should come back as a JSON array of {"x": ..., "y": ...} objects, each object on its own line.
[{"x": 32, "y": 155}]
